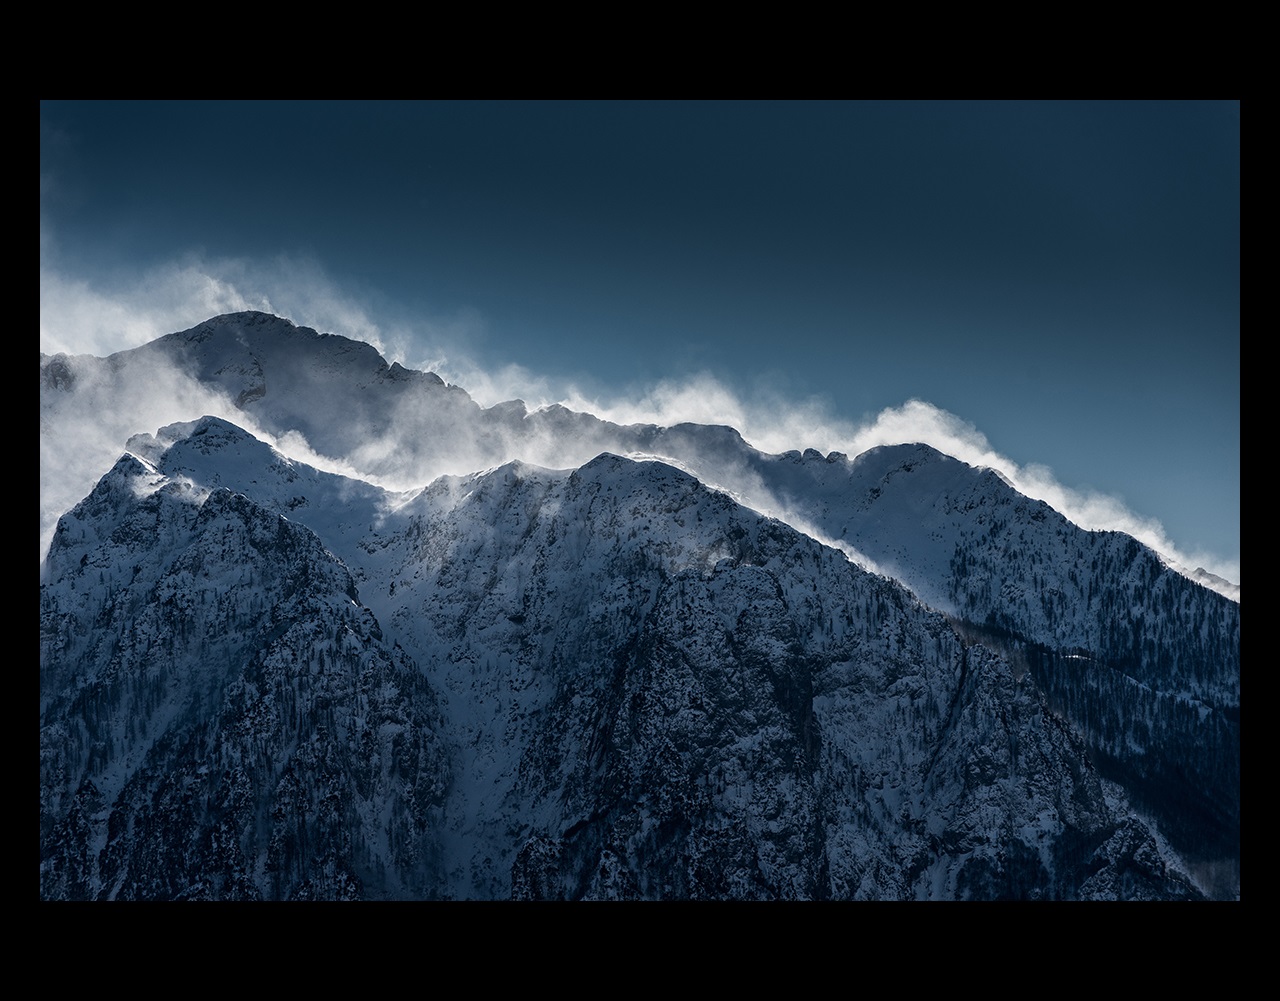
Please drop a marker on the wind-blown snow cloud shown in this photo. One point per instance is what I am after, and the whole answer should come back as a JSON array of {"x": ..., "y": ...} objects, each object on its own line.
[
  {"x": 778, "y": 425},
  {"x": 80, "y": 316},
  {"x": 83, "y": 433},
  {"x": 107, "y": 314},
  {"x": 920, "y": 421}
]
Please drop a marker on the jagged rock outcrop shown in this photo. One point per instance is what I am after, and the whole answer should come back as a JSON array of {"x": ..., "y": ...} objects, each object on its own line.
[
  {"x": 608, "y": 682},
  {"x": 220, "y": 718}
]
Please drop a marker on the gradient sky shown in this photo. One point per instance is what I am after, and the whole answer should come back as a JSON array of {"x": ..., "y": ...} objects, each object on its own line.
[{"x": 1063, "y": 276}]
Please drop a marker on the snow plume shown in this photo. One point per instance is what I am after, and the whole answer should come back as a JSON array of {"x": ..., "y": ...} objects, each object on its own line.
[
  {"x": 771, "y": 423},
  {"x": 446, "y": 435},
  {"x": 84, "y": 426},
  {"x": 86, "y": 422},
  {"x": 774, "y": 424},
  {"x": 700, "y": 399},
  {"x": 106, "y": 313},
  {"x": 83, "y": 432},
  {"x": 1090, "y": 509}
]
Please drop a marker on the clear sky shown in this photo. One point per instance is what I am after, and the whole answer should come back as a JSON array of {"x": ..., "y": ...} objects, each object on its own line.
[{"x": 1063, "y": 278}]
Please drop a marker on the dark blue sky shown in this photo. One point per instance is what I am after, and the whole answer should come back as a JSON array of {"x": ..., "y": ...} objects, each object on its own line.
[{"x": 1063, "y": 276}]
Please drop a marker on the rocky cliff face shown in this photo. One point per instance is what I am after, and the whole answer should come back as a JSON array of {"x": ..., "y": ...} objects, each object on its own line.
[
  {"x": 220, "y": 717},
  {"x": 1143, "y": 661},
  {"x": 259, "y": 680}
]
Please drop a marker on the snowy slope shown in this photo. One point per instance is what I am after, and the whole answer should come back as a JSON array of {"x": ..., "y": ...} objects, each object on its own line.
[
  {"x": 627, "y": 685},
  {"x": 616, "y": 680}
]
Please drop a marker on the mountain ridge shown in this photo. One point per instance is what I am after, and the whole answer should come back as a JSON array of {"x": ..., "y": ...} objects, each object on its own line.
[
  {"x": 628, "y": 684},
  {"x": 392, "y": 435}
]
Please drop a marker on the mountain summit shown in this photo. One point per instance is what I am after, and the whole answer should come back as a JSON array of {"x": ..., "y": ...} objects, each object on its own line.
[{"x": 574, "y": 660}]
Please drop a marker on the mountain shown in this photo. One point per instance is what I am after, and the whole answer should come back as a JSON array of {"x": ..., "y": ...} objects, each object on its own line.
[{"x": 609, "y": 676}]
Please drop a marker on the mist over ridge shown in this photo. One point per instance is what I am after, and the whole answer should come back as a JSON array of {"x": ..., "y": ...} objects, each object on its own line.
[
  {"x": 403, "y": 442},
  {"x": 1069, "y": 285}
]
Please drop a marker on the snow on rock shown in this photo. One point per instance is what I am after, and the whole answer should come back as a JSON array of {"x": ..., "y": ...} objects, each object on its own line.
[{"x": 614, "y": 662}]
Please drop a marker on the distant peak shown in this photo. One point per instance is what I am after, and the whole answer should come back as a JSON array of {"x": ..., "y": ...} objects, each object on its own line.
[
  {"x": 398, "y": 372},
  {"x": 605, "y": 460},
  {"x": 209, "y": 423},
  {"x": 246, "y": 318},
  {"x": 206, "y": 433},
  {"x": 906, "y": 454},
  {"x": 714, "y": 435},
  {"x": 200, "y": 427},
  {"x": 235, "y": 324},
  {"x": 648, "y": 467}
]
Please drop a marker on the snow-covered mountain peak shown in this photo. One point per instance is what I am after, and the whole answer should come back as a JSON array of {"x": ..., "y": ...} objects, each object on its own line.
[
  {"x": 569, "y": 666},
  {"x": 211, "y": 432},
  {"x": 231, "y": 343},
  {"x": 339, "y": 400},
  {"x": 239, "y": 321},
  {"x": 607, "y": 463},
  {"x": 214, "y": 451},
  {"x": 906, "y": 456}
]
